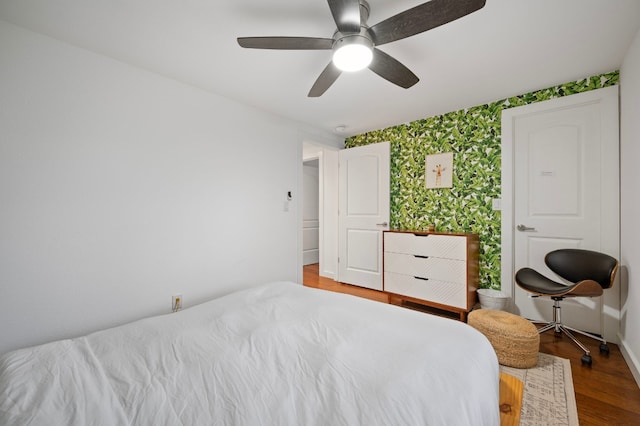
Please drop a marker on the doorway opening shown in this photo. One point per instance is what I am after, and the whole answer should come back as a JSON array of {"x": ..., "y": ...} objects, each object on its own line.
[{"x": 310, "y": 212}]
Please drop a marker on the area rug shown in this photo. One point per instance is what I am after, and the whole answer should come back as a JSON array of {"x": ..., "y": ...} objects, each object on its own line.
[{"x": 548, "y": 397}]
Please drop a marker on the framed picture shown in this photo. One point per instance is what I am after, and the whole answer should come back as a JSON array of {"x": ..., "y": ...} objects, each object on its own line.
[{"x": 439, "y": 170}]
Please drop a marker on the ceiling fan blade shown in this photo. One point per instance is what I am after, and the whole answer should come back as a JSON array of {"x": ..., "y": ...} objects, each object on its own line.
[
  {"x": 325, "y": 80},
  {"x": 422, "y": 18},
  {"x": 346, "y": 14},
  {"x": 392, "y": 70},
  {"x": 286, "y": 43}
]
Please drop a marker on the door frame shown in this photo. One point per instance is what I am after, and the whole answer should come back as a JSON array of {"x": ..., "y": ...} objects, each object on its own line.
[
  {"x": 327, "y": 157},
  {"x": 305, "y": 199},
  {"x": 610, "y": 201}
]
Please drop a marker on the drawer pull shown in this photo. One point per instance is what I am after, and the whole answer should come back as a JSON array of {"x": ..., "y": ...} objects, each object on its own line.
[
  {"x": 420, "y": 257},
  {"x": 421, "y": 278},
  {"x": 421, "y": 235}
]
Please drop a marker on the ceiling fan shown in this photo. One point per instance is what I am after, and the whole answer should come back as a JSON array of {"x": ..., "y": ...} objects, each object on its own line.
[{"x": 354, "y": 42}]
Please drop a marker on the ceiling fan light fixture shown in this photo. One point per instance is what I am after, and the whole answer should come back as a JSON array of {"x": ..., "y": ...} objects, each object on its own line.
[
  {"x": 352, "y": 53},
  {"x": 353, "y": 40}
]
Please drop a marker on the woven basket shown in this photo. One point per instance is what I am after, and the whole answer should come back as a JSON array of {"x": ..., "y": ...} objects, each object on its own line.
[{"x": 515, "y": 339}]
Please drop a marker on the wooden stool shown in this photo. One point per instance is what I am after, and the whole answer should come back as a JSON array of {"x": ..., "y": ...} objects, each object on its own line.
[{"x": 515, "y": 339}]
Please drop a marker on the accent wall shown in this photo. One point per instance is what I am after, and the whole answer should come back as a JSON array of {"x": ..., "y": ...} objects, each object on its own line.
[{"x": 473, "y": 135}]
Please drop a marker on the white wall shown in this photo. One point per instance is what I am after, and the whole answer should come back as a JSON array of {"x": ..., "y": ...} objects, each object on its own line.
[
  {"x": 630, "y": 206},
  {"x": 120, "y": 188}
]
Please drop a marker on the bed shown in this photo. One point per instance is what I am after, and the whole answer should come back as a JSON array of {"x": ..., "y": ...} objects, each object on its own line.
[{"x": 274, "y": 354}]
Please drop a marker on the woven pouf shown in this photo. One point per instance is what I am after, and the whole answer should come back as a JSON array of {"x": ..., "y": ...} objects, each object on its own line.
[{"x": 515, "y": 339}]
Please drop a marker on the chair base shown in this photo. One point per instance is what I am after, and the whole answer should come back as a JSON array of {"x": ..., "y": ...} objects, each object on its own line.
[{"x": 559, "y": 328}]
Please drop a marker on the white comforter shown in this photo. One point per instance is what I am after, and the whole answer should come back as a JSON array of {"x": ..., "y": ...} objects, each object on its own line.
[{"x": 277, "y": 354}]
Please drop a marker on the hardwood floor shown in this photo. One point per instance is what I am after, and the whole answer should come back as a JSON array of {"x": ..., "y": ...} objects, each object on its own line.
[{"x": 606, "y": 392}]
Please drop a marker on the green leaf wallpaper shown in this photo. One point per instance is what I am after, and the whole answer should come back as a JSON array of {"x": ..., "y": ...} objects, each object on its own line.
[{"x": 473, "y": 135}]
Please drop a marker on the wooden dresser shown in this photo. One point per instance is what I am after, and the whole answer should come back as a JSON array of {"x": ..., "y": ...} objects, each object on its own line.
[{"x": 432, "y": 269}]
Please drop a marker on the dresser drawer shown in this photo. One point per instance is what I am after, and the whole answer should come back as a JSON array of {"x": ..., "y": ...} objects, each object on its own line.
[
  {"x": 444, "y": 246},
  {"x": 441, "y": 292},
  {"x": 436, "y": 268}
]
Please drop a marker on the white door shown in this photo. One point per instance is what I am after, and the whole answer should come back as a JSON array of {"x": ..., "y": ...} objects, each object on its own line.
[
  {"x": 363, "y": 214},
  {"x": 565, "y": 192}
]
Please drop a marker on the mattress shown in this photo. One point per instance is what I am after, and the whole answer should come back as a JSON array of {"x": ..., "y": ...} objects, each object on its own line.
[{"x": 275, "y": 354}]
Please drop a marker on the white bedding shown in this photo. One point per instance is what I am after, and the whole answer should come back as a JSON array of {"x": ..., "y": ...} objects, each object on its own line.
[{"x": 277, "y": 354}]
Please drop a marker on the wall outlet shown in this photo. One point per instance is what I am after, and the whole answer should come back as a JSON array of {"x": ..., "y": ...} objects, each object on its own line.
[{"x": 176, "y": 303}]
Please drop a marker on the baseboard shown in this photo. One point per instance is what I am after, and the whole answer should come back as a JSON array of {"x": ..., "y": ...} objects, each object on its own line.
[
  {"x": 309, "y": 257},
  {"x": 631, "y": 360},
  {"x": 327, "y": 274}
]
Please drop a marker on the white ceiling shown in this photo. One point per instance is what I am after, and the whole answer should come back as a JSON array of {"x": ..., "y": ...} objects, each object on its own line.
[{"x": 507, "y": 48}]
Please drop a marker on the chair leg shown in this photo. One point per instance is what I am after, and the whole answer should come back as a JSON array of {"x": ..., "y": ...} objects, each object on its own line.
[
  {"x": 584, "y": 333},
  {"x": 566, "y": 331},
  {"x": 558, "y": 327},
  {"x": 548, "y": 326}
]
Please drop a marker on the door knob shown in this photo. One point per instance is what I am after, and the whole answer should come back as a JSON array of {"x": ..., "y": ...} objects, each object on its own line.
[{"x": 523, "y": 228}]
